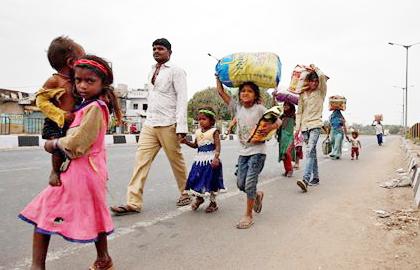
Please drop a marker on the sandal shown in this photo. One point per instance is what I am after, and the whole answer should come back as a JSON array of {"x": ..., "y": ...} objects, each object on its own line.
[
  {"x": 123, "y": 210},
  {"x": 245, "y": 223},
  {"x": 287, "y": 174},
  {"x": 258, "y": 202},
  {"x": 102, "y": 265},
  {"x": 212, "y": 207},
  {"x": 183, "y": 200},
  {"x": 198, "y": 201}
]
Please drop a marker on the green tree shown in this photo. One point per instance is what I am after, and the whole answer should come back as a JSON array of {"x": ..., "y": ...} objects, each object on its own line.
[
  {"x": 205, "y": 98},
  {"x": 210, "y": 97}
]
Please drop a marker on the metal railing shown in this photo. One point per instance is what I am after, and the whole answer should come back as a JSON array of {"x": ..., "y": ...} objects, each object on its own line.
[
  {"x": 20, "y": 124},
  {"x": 33, "y": 125},
  {"x": 4, "y": 125},
  {"x": 415, "y": 131}
]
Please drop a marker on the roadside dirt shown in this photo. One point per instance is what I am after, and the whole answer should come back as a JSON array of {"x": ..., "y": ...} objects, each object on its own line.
[{"x": 400, "y": 225}]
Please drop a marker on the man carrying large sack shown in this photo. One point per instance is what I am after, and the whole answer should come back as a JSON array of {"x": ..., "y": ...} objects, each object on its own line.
[{"x": 309, "y": 121}]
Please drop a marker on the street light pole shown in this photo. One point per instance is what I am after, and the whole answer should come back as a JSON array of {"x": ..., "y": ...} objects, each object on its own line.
[
  {"x": 406, "y": 80},
  {"x": 403, "y": 111},
  {"x": 403, "y": 102}
]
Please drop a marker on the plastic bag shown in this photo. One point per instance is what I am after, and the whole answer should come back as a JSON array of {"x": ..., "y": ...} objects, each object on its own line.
[
  {"x": 346, "y": 146},
  {"x": 337, "y": 103},
  {"x": 269, "y": 117},
  {"x": 264, "y": 69},
  {"x": 326, "y": 146},
  {"x": 298, "y": 83}
]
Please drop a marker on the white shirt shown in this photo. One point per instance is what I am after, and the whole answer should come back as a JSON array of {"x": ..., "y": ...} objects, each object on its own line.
[
  {"x": 379, "y": 129},
  {"x": 247, "y": 121},
  {"x": 167, "y": 100}
]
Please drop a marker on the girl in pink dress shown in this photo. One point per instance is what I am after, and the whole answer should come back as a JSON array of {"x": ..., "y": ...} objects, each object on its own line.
[{"x": 77, "y": 209}]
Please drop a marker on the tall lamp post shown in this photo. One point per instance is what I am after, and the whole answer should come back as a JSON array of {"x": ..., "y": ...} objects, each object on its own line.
[
  {"x": 403, "y": 111},
  {"x": 406, "y": 79},
  {"x": 403, "y": 102}
]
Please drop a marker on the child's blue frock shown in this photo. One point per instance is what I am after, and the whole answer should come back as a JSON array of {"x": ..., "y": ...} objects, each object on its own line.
[{"x": 204, "y": 179}]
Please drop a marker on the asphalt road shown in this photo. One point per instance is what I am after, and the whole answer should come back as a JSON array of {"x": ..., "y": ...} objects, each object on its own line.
[{"x": 24, "y": 173}]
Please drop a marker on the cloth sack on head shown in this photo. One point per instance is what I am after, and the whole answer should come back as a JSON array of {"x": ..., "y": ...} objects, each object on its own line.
[
  {"x": 264, "y": 69},
  {"x": 379, "y": 117},
  {"x": 337, "y": 103},
  {"x": 286, "y": 97},
  {"x": 299, "y": 82}
]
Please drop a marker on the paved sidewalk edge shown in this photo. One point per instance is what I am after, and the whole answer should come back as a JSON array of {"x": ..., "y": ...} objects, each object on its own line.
[
  {"x": 412, "y": 160},
  {"x": 19, "y": 141}
]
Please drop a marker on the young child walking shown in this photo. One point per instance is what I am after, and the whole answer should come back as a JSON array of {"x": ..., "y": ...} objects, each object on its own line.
[
  {"x": 355, "y": 144},
  {"x": 206, "y": 176},
  {"x": 298, "y": 141},
  {"x": 56, "y": 99},
  {"x": 77, "y": 209},
  {"x": 248, "y": 112},
  {"x": 285, "y": 138}
]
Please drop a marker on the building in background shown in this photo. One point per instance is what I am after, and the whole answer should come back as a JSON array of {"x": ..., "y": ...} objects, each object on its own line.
[
  {"x": 18, "y": 113},
  {"x": 136, "y": 107}
]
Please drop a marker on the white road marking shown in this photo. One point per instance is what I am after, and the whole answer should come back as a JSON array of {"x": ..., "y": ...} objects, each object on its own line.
[
  {"x": 52, "y": 256},
  {"x": 18, "y": 169}
]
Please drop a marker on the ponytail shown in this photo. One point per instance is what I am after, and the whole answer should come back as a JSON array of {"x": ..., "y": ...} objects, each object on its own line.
[{"x": 108, "y": 96}]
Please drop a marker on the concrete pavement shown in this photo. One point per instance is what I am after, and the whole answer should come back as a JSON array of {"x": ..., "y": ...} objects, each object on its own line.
[{"x": 294, "y": 231}]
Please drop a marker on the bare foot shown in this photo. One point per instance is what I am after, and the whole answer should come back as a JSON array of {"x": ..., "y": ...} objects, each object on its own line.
[
  {"x": 54, "y": 179},
  {"x": 258, "y": 202}
]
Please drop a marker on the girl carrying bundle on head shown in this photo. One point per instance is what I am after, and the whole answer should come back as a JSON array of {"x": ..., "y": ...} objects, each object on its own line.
[
  {"x": 285, "y": 138},
  {"x": 248, "y": 111}
]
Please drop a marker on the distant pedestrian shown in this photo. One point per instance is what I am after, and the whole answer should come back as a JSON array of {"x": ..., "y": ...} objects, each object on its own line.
[
  {"x": 338, "y": 132},
  {"x": 379, "y": 130},
  {"x": 56, "y": 99},
  {"x": 356, "y": 146},
  {"x": 248, "y": 112},
  {"x": 133, "y": 129},
  {"x": 285, "y": 138},
  {"x": 206, "y": 175},
  {"x": 165, "y": 126},
  {"x": 309, "y": 121},
  {"x": 77, "y": 209}
]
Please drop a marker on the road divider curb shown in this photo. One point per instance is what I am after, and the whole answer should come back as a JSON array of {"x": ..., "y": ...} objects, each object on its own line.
[
  {"x": 19, "y": 141},
  {"x": 412, "y": 163}
]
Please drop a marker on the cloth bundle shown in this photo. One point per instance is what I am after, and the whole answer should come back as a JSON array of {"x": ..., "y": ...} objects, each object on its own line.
[
  {"x": 269, "y": 117},
  {"x": 264, "y": 69},
  {"x": 379, "y": 117},
  {"x": 286, "y": 97},
  {"x": 337, "y": 103}
]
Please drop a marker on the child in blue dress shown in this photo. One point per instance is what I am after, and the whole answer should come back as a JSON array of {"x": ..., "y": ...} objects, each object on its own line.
[{"x": 206, "y": 177}]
